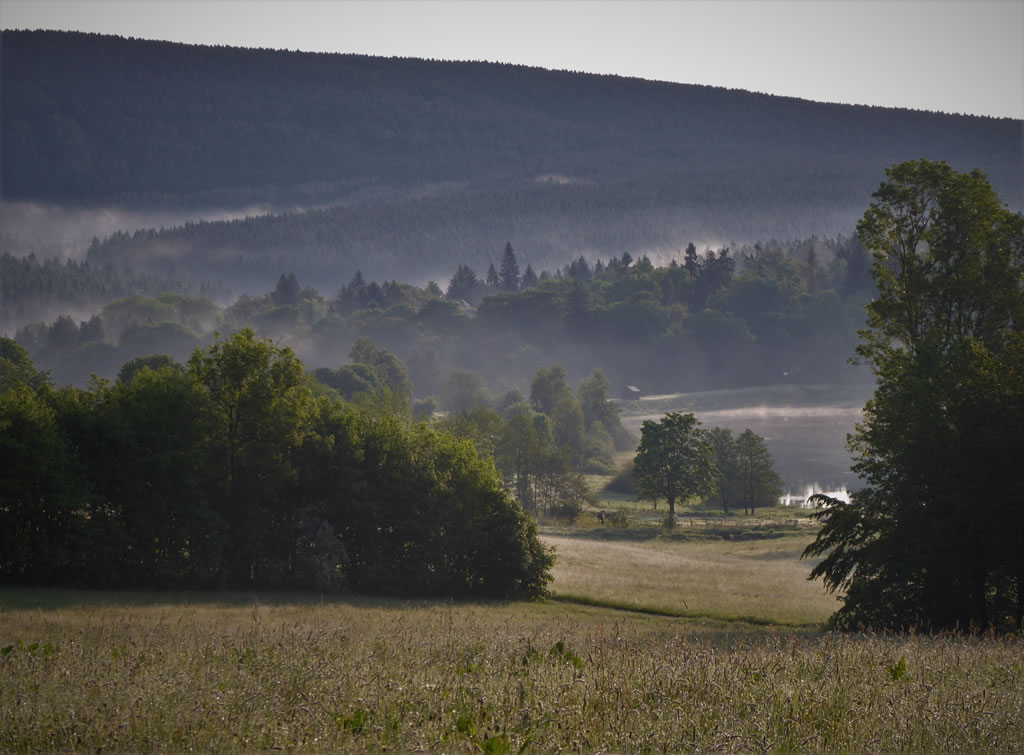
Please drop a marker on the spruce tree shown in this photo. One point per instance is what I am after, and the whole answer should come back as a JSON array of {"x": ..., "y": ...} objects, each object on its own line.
[{"x": 509, "y": 270}]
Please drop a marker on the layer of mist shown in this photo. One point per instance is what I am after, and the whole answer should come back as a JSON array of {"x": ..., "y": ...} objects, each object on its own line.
[
  {"x": 808, "y": 442},
  {"x": 67, "y": 231}
]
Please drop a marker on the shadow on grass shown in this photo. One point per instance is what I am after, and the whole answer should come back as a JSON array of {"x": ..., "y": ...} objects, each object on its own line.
[
  {"x": 752, "y": 622},
  {"x": 57, "y": 598},
  {"x": 683, "y": 533}
]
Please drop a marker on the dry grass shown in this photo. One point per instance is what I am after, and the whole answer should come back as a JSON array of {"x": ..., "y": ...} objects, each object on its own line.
[
  {"x": 358, "y": 676},
  {"x": 756, "y": 579}
]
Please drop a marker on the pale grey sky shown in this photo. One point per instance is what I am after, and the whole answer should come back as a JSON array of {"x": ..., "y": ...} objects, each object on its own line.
[{"x": 950, "y": 55}]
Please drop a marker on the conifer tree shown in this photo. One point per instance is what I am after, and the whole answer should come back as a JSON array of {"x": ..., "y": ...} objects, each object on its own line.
[{"x": 509, "y": 270}]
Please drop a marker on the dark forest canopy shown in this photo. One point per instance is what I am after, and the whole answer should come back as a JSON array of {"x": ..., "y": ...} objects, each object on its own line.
[
  {"x": 430, "y": 162},
  {"x": 234, "y": 470},
  {"x": 100, "y": 116},
  {"x": 934, "y": 540}
]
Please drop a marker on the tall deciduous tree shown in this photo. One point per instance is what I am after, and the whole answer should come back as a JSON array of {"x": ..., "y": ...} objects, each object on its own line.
[
  {"x": 675, "y": 461},
  {"x": 41, "y": 496},
  {"x": 600, "y": 413},
  {"x": 759, "y": 484},
  {"x": 389, "y": 369},
  {"x": 154, "y": 425},
  {"x": 548, "y": 388},
  {"x": 935, "y": 539},
  {"x": 259, "y": 410},
  {"x": 726, "y": 483},
  {"x": 465, "y": 390}
]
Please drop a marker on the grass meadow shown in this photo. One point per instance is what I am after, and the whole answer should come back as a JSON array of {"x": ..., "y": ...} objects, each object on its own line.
[
  {"x": 728, "y": 574},
  {"x": 722, "y": 651}
]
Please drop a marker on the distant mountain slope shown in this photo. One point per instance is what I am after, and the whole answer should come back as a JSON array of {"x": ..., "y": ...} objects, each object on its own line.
[
  {"x": 89, "y": 116},
  {"x": 414, "y": 240},
  {"x": 101, "y": 119}
]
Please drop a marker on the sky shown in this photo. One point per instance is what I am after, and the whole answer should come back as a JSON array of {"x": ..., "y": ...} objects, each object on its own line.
[{"x": 952, "y": 56}]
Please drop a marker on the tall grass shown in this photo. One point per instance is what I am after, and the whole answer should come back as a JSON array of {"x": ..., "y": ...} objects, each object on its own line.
[{"x": 366, "y": 676}]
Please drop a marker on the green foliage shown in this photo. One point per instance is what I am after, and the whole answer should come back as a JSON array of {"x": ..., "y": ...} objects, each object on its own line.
[
  {"x": 349, "y": 380},
  {"x": 573, "y": 495},
  {"x": 675, "y": 461},
  {"x": 601, "y": 414},
  {"x": 16, "y": 366},
  {"x": 934, "y": 540},
  {"x": 464, "y": 391},
  {"x": 389, "y": 369},
  {"x": 153, "y": 362},
  {"x": 616, "y": 318},
  {"x": 479, "y": 425},
  {"x": 442, "y": 527},
  {"x": 40, "y": 493},
  {"x": 231, "y": 473},
  {"x": 423, "y": 409},
  {"x": 259, "y": 409},
  {"x": 560, "y": 652},
  {"x": 464, "y": 286},
  {"x": 727, "y": 487},
  {"x": 745, "y": 475},
  {"x": 757, "y": 482},
  {"x": 549, "y": 388},
  {"x": 898, "y": 670}
]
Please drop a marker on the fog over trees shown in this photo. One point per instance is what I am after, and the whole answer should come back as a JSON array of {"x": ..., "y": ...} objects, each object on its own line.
[
  {"x": 724, "y": 318},
  {"x": 406, "y": 168},
  {"x": 400, "y": 301}
]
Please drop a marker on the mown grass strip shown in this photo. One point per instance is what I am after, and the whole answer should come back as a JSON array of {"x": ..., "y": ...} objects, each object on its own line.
[{"x": 648, "y": 610}]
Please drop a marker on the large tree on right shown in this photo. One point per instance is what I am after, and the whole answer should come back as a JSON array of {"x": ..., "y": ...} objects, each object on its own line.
[{"x": 935, "y": 538}]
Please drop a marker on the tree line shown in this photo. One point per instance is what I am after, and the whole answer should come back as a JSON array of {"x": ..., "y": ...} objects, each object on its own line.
[
  {"x": 238, "y": 470},
  {"x": 678, "y": 460},
  {"x": 33, "y": 286},
  {"x": 767, "y": 313}
]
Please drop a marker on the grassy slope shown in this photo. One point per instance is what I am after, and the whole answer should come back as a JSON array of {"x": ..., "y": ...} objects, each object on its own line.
[{"x": 758, "y": 578}]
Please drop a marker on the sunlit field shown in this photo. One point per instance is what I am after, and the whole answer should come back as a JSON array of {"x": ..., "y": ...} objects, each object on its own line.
[
  {"x": 150, "y": 672},
  {"x": 758, "y": 577}
]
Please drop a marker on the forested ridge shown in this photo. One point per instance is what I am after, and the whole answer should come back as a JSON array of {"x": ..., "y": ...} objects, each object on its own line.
[{"x": 431, "y": 161}]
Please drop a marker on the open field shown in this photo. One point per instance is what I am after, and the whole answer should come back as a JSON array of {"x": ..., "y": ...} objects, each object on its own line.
[
  {"x": 144, "y": 672},
  {"x": 726, "y": 573},
  {"x": 704, "y": 638}
]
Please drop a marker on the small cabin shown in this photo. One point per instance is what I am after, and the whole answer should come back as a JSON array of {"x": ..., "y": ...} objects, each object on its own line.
[{"x": 631, "y": 393}]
